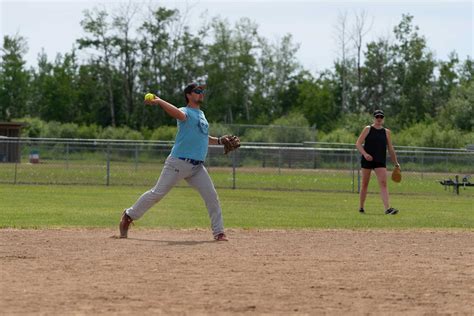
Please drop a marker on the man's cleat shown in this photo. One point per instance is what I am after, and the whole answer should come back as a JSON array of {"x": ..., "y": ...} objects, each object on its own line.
[
  {"x": 361, "y": 210},
  {"x": 221, "y": 237},
  {"x": 124, "y": 224}
]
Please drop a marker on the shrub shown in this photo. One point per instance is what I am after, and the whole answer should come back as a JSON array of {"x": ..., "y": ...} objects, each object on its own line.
[
  {"x": 69, "y": 130},
  {"x": 339, "y": 135},
  {"x": 120, "y": 133},
  {"x": 432, "y": 135},
  {"x": 88, "y": 131},
  {"x": 354, "y": 123},
  {"x": 255, "y": 135},
  {"x": 33, "y": 128},
  {"x": 297, "y": 130},
  {"x": 164, "y": 133},
  {"x": 51, "y": 130},
  {"x": 218, "y": 129}
]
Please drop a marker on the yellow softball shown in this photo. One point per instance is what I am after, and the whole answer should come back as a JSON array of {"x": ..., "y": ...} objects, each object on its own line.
[{"x": 149, "y": 96}]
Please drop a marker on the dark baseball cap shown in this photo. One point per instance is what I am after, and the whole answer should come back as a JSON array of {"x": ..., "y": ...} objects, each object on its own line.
[
  {"x": 378, "y": 113},
  {"x": 193, "y": 85}
]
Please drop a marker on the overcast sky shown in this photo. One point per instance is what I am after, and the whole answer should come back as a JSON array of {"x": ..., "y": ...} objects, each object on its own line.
[{"x": 448, "y": 25}]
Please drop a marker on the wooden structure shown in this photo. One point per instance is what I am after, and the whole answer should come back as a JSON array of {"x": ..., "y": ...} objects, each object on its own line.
[{"x": 10, "y": 149}]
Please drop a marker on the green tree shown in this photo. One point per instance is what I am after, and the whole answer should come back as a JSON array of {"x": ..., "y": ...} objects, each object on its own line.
[
  {"x": 247, "y": 75},
  {"x": 126, "y": 47},
  {"x": 446, "y": 81},
  {"x": 288, "y": 97},
  {"x": 413, "y": 70},
  {"x": 360, "y": 29},
  {"x": 96, "y": 24},
  {"x": 229, "y": 64},
  {"x": 170, "y": 57},
  {"x": 278, "y": 70},
  {"x": 91, "y": 103},
  {"x": 14, "y": 78},
  {"x": 344, "y": 64},
  {"x": 466, "y": 71},
  {"x": 377, "y": 78},
  {"x": 459, "y": 110},
  {"x": 317, "y": 102},
  {"x": 54, "y": 86}
]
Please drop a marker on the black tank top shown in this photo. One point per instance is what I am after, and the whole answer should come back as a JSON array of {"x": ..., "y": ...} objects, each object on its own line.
[{"x": 376, "y": 144}]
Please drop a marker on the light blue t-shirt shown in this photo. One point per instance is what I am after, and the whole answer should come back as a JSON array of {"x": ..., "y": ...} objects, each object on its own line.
[{"x": 192, "y": 138}]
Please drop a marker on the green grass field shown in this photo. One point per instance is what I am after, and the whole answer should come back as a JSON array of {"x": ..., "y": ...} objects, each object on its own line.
[
  {"x": 145, "y": 174},
  {"x": 51, "y": 206}
]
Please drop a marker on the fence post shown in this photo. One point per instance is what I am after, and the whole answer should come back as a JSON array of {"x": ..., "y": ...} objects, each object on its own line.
[
  {"x": 16, "y": 160},
  {"x": 67, "y": 155},
  {"x": 233, "y": 170},
  {"x": 353, "y": 171},
  {"x": 16, "y": 167},
  {"x": 136, "y": 157},
  {"x": 422, "y": 164},
  {"x": 457, "y": 185},
  {"x": 313, "y": 134},
  {"x": 108, "y": 165},
  {"x": 279, "y": 161}
]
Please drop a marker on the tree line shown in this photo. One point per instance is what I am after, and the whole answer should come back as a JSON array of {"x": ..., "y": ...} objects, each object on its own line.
[{"x": 251, "y": 80}]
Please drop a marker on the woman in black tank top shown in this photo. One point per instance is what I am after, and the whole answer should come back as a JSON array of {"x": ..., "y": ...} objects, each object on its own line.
[{"x": 373, "y": 143}]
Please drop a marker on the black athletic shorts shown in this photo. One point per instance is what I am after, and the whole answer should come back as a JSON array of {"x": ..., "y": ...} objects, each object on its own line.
[{"x": 372, "y": 164}]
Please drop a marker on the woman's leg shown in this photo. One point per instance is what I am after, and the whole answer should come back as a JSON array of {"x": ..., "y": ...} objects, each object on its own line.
[
  {"x": 381, "y": 174},
  {"x": 365, "y": 185}
]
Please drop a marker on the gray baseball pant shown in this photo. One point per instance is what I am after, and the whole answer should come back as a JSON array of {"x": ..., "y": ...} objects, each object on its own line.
[{"x": 197, "y": 176}]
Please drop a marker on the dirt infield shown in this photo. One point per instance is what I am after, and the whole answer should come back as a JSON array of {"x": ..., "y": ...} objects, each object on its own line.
[{"x": 84, "y": 271}]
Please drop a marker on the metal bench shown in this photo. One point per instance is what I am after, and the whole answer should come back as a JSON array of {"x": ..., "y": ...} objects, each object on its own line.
[{"x": 456, "y": 183}]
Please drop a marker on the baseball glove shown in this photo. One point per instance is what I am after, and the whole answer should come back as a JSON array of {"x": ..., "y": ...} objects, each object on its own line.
[
  {"x": 230, "y": 142},
  {"x": 396, "y": 174}
]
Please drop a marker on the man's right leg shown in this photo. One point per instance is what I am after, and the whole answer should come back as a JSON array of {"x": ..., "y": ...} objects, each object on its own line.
[
  {"x": 170, "y": 175},
  {"x": 202, "y": 182}
]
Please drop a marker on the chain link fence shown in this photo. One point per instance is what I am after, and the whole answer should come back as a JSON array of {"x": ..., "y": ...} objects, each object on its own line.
[{"x": 309, "y": 166}]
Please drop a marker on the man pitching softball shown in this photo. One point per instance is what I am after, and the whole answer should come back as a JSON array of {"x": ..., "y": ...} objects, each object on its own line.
[
  {"x": 186, "y": 160},
  {"x": 372, "y": 144}
]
